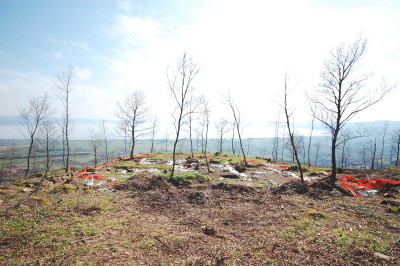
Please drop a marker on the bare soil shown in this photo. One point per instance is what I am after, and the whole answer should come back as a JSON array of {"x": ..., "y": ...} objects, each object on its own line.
[{"x": 260, "y": 219}]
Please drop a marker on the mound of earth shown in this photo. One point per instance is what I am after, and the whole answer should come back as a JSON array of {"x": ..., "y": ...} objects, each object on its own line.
[
  {"x": 317, "y": 189},
  {"x": 143, "y": 183}
]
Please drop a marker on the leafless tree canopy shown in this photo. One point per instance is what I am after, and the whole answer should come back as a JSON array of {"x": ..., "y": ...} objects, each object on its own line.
[
  {"x": 133, "y": 113},
  {"x": 221, "y": 127},
  {"x": 31, "y": 118},
  {"x": 180, "y": 84},
  {"x": 95, "y": 143},
  {"x": 237, "y": 116},
  {"x": 343, "y": 91},
  {"x": 154, "y": 129},
  {"x": 295, "y": 142},
  {"x": 48, "y": 141},
  {"x": 64, "y": 86}
]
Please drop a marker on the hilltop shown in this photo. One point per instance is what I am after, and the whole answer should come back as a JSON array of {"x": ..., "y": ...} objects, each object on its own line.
[{"x": 255, "y": 215}]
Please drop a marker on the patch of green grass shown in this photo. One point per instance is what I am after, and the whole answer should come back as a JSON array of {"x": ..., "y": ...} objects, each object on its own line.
[
  {"x": 393, "y": 168},
  {"x": 362, "y": 238},
  {"x": 56, "y": 172},
  {"x": 59, "y": 245},
  {"x": 185, "y": 177},
  {"x": 305, "y": 227},
  {"x": 17, "y": 223}
]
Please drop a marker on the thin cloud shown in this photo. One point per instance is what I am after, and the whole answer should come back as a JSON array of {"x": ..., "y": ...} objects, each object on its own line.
[
  {"x": 83, "y": 73},
  {"x": 124, "y": 6},
  {"x": 57, "y": 55},
  {"x": 83, "y": 45}
]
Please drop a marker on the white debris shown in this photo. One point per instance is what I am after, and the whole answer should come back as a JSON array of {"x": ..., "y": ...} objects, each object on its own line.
[
  {"x": 145, "y": 161},
  {"x": 219, "y": 167},
  {"x": 371, "y": 192},
  {"x": 123, "y": 172},
  {"x": 89, "y": 182},
  {"x": 105, "y": 190},
  {"x": 152, "y": 170},
  {"x": 176, "y": 162}
]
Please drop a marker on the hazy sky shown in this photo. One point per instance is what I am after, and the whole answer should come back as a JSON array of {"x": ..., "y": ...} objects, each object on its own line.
[{"x": 243, "y": 46}]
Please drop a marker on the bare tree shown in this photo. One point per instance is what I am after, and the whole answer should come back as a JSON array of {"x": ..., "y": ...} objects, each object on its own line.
[
  {"x": 104, "y": 135},
  {"x": 396, "y": 144},
  {"x": 154, "y": 128},
  {"x": 180, "y": 84},
  {"x": 95, "y": 143},
  {"x": 48, "y": 142},
  {"x": 123, "y": 130},
  {"x": 237, "y": 116},
  {"x": 392, "y": 151},
  {"x": 221, "y": 127},
  {"x": 206, "y": 118},
  {"x": 383, "y": 136},
  {"x": 373, "y": 155},
  {"x": 363, "y": 153},
  {"x": 64, "y": 86},
  {"x": 342, "y": 93},
  {"x": 233, "y": 137},
  {"x": 132, "y": 113},
  {"x": 288, "y": 114},
  {"x": 275, "y": 146},
  {"x": 31, "y": 118},
  {"x": 193, "y": 105}
]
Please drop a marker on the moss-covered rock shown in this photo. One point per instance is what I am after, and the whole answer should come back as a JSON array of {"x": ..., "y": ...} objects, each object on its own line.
[{"x": 67, "y": 188}]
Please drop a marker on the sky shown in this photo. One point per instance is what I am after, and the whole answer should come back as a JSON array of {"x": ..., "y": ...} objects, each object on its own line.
[{"x": 117, "y": 47}]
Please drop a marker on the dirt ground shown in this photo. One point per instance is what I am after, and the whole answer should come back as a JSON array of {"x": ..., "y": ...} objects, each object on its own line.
[{"x": 257, "y": 219}]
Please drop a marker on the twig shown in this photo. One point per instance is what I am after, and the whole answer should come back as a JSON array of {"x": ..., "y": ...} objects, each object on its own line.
[{"x": 165, "y": 245}]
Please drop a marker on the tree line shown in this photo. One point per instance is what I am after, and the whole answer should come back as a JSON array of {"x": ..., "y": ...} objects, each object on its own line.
[{"x": 342, "y": 93}]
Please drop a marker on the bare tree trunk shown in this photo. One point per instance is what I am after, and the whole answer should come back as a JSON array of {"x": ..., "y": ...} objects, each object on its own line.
[
  {"x": 206, "y": 124},
  {"x": 64, "y": 85},
  {"x": 383, "y": 143},
  {"x": 133, "y": 141},
  {"x": 373, "y": 155},
  {"x": 180, "y": 84},
  {"x": 237, "y": 120},
  {"x": 153, "y": 132},
  {"x": 291, "y": 134}
]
